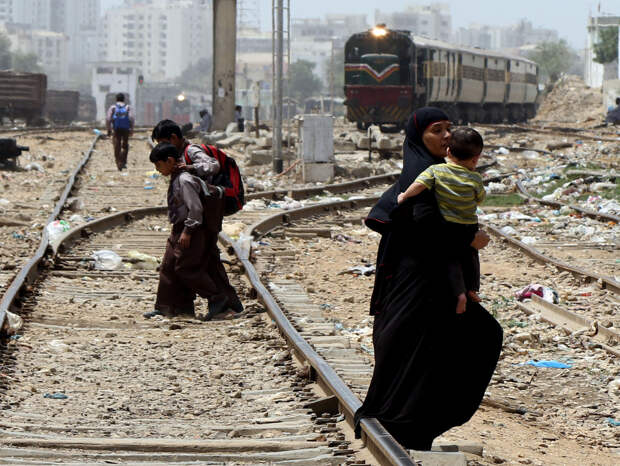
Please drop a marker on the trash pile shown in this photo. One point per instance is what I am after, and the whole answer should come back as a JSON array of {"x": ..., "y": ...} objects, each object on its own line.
[{"x": 569, "y": 94}]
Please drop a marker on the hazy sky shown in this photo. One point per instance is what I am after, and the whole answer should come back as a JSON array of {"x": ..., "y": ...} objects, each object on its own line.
[{"x": 568, "y": 17}]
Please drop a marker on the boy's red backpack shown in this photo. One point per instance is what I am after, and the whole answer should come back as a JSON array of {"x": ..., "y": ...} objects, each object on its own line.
[{"x": 229, "y": 178}]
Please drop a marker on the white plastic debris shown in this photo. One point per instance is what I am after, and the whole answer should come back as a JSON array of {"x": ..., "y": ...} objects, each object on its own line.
[
  {"x": 106, "y": 260},
  {"x": 56, "y": 229},
  {"x": 143, "y": 261},
  {"x": 502, "y": 150},
  {"x": 4, "y": 202},
  {"x": 510, "y": 231},
  {"x": 12, "y": 323}
]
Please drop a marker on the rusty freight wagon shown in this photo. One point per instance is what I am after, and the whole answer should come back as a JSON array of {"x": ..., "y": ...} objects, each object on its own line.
[
  {"x": 87, "y": 108},
  {"x": 62, "y": 106},
  {"x": 389, "y": 73},
  {"x": 22, "y": 95}
]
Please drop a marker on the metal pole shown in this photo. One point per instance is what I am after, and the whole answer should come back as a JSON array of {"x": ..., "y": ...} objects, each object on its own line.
[
  {"x": 331, "y": 80},
  {"x": 277, "y": 127}
]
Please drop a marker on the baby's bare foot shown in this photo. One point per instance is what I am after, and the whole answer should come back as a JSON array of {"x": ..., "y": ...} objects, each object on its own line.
[{"x": 474, "y": 296}]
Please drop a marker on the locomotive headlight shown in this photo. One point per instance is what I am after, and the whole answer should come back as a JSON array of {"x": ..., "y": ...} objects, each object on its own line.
[
  {"x": 180, "y": 97},
  {"x": 379, "y": 31}
]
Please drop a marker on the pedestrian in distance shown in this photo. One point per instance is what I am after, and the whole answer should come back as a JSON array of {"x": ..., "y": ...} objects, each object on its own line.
[
  {"x": 239, "y": 118},
  {"x": 459, "y": 190},
  {"x": 613, "y": 115},
  {"x": 432, "y": 365},
  {"x": 120, "y": 123},
  {"x": 205, "y": 120},
  {"x": 178, "y": 283}
]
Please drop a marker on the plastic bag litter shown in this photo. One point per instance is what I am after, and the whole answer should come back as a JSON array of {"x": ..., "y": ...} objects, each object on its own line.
[
  {"x": 546, "y": 293},
  {"x": 12, "y": 324},
  {"x": 510, "y": 231},
  {"x": 34, "y": 166},
  {"x": 106, "y": 260},
  {"x": 4, "y": 202},
  {"x": 77, "y": 218},
  {"x": 56, "y": 229},
  {"x": 143, "y": 261},
  {"x": 547, "y": 364},
  {"x": 502, "y": 150},
  {"x": 233, "y": 229}
]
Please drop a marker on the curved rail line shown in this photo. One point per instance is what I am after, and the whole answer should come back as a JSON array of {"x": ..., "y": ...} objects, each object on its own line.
[{"x": 377, "y": 439}]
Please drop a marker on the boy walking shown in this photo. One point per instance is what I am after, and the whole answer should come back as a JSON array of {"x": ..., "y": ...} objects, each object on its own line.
[
  {"x": 120, "y": 118},
  {"x": 459, "y": 190},
  {"x": 191, "y": 263}
]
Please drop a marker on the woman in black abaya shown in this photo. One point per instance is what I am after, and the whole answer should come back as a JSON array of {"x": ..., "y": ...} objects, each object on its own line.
[{"x": 432, "y": 366}]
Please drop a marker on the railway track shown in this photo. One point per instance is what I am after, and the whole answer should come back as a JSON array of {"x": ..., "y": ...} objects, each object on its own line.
[{"x": 103, "y": 310}]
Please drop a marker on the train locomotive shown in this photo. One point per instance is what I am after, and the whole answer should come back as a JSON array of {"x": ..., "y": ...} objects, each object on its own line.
[{"x": 389, "y": 73}]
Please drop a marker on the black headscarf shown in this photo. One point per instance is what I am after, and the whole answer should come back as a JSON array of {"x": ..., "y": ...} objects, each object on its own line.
[{"x": 416, "y": 159}]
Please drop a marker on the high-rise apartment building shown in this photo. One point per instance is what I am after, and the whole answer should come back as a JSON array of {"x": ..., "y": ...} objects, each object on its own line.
[
  {"x": 433, "y": 21},
  {"x": 164, "y": 36}
]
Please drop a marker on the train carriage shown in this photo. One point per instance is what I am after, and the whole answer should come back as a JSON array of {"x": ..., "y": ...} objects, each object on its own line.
[
  {"x": 389, "y": 73},
  {"x": 62, "y": 106},
  {"x": 22, "y": 95}
]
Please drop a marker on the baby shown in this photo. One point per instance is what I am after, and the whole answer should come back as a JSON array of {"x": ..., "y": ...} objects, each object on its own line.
[{"x": 459, "y": 190}]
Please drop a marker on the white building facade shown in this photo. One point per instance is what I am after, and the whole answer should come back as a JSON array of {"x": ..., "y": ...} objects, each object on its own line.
[
  {"x": 163, "y": 36},
  {"x": 433, "y": 21},
  {"x": 114, "y": 77},
  {"x": 596, "y": 73}
]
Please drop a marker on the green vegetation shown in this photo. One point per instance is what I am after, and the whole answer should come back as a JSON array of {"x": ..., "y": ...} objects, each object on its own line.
[
  {"x": 26, "y": 63},
  {"x": 303, "y": 82},
  {"x": 503, "y": 200},
  {"x": 606, "y": 49},
  {"x": 553, "y": 58},
  {"x": 18, "y": 61}
]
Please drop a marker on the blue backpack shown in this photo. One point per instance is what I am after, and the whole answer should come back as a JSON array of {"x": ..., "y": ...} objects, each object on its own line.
[{"x": 120, "y": 118}]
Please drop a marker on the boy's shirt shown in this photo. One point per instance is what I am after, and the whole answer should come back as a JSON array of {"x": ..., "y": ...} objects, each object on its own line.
[
  {"x": 184, "y": 200},
  {"x": 203, "y": 165},
  {"x": 458, "y": 191}
]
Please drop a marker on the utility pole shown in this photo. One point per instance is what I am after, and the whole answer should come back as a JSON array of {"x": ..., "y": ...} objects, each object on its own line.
[
  {"x": 331, "y": 80},
  {"x": 224, "y": 61},
  {"x": 278, "y": 42}
]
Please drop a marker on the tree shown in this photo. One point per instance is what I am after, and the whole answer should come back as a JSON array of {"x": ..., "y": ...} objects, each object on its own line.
[
  {"x": 26, "y": 63},
  {"x": 338, "y": 70},
  {"x": 303, "y": 82},
  {"x": 197, "y": 75},
  {"x": 553, "y": 58},
  {"x": 606, "y": 49}
]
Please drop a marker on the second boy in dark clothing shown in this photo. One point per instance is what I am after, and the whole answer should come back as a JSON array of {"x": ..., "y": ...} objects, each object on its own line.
[{"x": 191, "y": 263}]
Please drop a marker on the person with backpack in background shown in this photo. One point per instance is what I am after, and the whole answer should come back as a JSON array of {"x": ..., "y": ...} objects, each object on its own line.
[
  {"x": 194, "y": 160},
  {"x": 120, "y": 119}
]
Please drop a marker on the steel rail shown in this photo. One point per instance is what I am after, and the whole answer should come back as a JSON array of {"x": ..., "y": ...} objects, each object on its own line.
[
  {"x": 557, "y": 204},
  {"x": 376, "y": 438},
  {"x": 30, "y": 271},
  {"x": 378, "y": 441},
  {"x": 523, "y": 129},
  {"x": 603, "y": 280}
]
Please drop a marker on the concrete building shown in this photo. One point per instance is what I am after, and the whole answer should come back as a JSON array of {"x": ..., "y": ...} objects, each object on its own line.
[
  {"x": 332, "y": 26},
  {"x": 114, "y": 77},
  {"x": 51, "y": 48},
  {"x": 596, "y": 73},
  {"x": 433, "y": 21},
  {"x": 78, "y": 20},
  {"x": 163, "y": 36}
]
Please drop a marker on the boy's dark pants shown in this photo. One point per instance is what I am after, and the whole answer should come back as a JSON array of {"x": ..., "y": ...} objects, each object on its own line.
[
  {"x": 196, "y": 270},
  {"x": 121, "y": 147}
]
